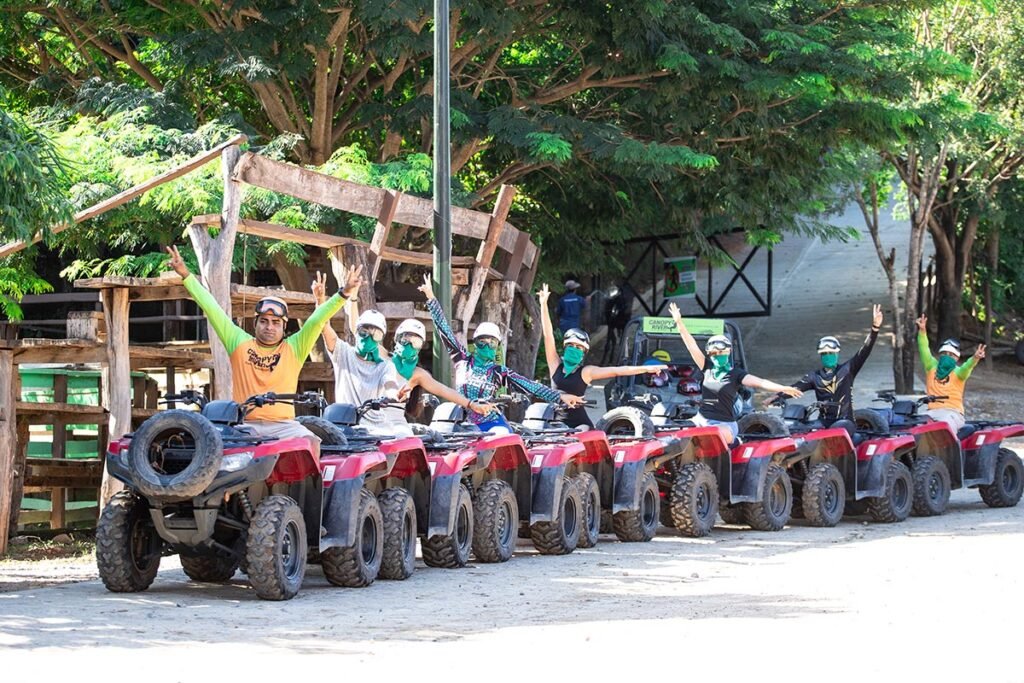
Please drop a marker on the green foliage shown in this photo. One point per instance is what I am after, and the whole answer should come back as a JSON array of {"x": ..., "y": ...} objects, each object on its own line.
[{"x": 17, "y": 280}]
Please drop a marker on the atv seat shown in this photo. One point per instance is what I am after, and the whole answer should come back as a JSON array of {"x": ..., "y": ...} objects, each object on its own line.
[{"x": 966, "y": 431}]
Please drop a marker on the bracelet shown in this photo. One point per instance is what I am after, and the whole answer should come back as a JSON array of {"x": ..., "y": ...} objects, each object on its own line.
[{"x": 876, "y": 329}]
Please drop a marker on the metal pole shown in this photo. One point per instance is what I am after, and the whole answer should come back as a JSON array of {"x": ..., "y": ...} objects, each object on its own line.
[{"x": 442, "y": 184}]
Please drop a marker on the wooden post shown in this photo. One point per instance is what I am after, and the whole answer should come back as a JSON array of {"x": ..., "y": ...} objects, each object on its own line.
[
  {"x": 380, "y": 236},
  {"x": 354, "y": 255},
  {"x": 8, "y": 439},
  {"x": 485, "y": 255},
  {"x": 58, "y": 450},
  {"x": 20, "y": 463},
  {"x": 116, "y": 379},
  {"x": 214, "y": 256}
]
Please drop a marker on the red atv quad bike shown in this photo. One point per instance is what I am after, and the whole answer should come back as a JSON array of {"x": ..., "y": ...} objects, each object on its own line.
[
  {"x": 508, "y": 496},
  {"x": 376, "y": 496},
  {"x": 942, "y": 461},
  {"x": 685, "y": 468},
  {"x": 837, "y": 469},
  {"x": 202, "y": 486},
  {"x": 744, "y": 483}
]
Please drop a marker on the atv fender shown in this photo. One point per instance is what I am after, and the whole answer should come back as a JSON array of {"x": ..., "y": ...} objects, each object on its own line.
[
  {"x": 443, "y": 491},
  {"x": 547, "y": 492},
  {"x": 749, "y": 467},
  {"x": 873, "y": 458},
  {"x": 340, "y": 512},
  {"x": 980, "y": 451},
  {"x": 630, "y": 466},
  {"x": 832, "y": 446},
  {"x": 936, "y": 438}
]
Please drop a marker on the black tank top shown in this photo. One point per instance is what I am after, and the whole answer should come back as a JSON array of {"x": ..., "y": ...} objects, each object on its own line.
[{"x": 573, "y": 384}]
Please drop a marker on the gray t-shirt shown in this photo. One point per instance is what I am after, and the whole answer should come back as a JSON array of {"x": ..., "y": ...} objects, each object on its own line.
[{"x": 357, "y": 380}]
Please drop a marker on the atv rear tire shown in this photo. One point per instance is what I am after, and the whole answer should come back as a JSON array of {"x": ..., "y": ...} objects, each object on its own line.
[
  {"x": 590, "y": 526},
  {"x": 693, "y": 500},
  {"x": 763, "y": 424},
  {"x": 772, "y": 512},
  {"x": 895, "y": 505},
  {"x": 732, "y": 514},
  {"x": 329, "y": 433},
  {"x": 868, "y": 420},
  {"x": 824, "y": 495},
  {"x": 560, "y": 536},
  {"x": 665, "y": 515},
  {"x": 357, "y": 565},
  {"x": 627, "y": 421},
  {"x": 639, "y": 526},
  {"x": 147, "y": 443},
  {"x": 276, "y": 548},
  {"x": 209, "y": 568},
  {"x": 127, "y": 545},
  {"x": 1005, "y": 490},
  {"x": 495, "y": 522},
  {"x": 452, "y": 551},
  {"x": 398, "y": 512},
  {"x": 931, "y": 487}
]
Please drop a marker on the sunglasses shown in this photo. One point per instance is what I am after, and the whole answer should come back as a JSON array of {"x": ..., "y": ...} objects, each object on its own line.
[
  {"x": 486, "y": 342},
  {"x": 413, "y": 340},
  {"x": 271, "y": 307},
  {"x": 366, "y": 331},
  {"x": 719, "y": 346}
]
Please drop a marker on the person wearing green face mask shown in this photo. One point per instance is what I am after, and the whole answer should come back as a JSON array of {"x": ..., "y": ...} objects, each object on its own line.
[
  {"x": 478, "y": 375},
  {"x": 720, "y": 400},
  {"x": 833, "y": 381},
  {"x": 568, "y": 374},
  {"x": 360, "y": 371},
  {"x": 946, "y": 377}
]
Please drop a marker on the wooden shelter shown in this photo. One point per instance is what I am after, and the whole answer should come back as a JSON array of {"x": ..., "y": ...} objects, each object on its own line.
[{"x": 505, "y": 261}]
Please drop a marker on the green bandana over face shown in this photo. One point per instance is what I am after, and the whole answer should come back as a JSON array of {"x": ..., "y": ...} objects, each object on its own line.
[
  {"x": 721, "y": 365},
  {"x": 405, "y": 359},
  {"x": 946, "y": 365},
  {"x": 572, "y": 356},
  {"x": 484, "y": 355},
  {"x": 829, "y": 361},
  {"x": 367, "y": 349}
]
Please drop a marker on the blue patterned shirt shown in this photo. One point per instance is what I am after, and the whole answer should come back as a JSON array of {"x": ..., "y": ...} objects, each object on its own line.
[{"x": 481, "y": 383}]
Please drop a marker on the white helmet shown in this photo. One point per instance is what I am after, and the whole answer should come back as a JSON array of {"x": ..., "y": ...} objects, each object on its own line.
[
  {"x": 487, "y": 330},
  {"x": 373, "y": 318},
  {"x": 718, "y": 342},
  {"x": 951, "y": 346},
  {"x": 828, "y": 345},
  {"x": 411, "y": 326}
]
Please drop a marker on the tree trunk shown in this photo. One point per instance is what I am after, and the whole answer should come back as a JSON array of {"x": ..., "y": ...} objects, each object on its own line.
[
  {"x": 992, "y": 249},
  {"x": 116, "y": 378},
  {"x": 8, "y": 439},
  {"x": 214, "y": 254},
  {"x": 524, "y": 335}
]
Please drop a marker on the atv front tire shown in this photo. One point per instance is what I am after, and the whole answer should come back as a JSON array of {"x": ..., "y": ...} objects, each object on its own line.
[
  {"x": 1005, "y": 490},
  {"x": 639, "y": 526},
  {"x": 495, "y": 522},
  {"x": 693, "y": 500},
  {"x": 732, "y": 514},
  {"x": 357, "y": 565},
  {"x": 560, "y": 535},
  {"x": 590, "y": 528},
  {"x": 209, "y": 568},
  {"x": 931, "y": 487},
  {"x": 398, "y": 512},
  {"x": 895, "y": 505},
  {"x": 276, "y": 548},
  {"x": 127, "y": 545},
  {"x": 824, "y": 495},
  {"x": 771, "y": 513},
  {"x": 451, "y": 551}
]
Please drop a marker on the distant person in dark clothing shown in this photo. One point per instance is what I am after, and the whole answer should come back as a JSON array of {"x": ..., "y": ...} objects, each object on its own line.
[
  {"x": 617, "y": 310},
  {"x": 570, "y": 307}
]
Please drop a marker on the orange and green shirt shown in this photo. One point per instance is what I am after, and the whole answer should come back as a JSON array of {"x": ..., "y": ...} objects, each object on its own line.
[
  {"x": 258, "y": 369},
  {"x": 952, "y": 386}
]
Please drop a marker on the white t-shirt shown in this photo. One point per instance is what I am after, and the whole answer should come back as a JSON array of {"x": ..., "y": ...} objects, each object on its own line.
[{"x": 357, "y": 380}]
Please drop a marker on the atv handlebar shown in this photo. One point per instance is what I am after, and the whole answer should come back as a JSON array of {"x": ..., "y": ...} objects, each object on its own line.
[
  {"x": 301, "y": 398},
  {"x": 188, "y": 397},
  {"x": 379, "y": 404}
]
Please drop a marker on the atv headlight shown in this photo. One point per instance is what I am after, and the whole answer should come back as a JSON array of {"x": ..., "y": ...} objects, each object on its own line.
[{"x": 236, "y": 461}]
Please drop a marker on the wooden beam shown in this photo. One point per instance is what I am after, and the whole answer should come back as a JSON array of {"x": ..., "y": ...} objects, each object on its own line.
[
  {"x": 515, "y": 264},
  {"x": 8, "y": 440},
  {"x": 362, "y": 200},
  {"x": 422, "y": 258},
  {"x": 275, "y": 231},
  {"x": 116, "y": 377},
  {"x": 20, "y": 465},
  {"x": 129, "y": 194},
  {"x": 486, "y": 254},
  {"x": 383, "y": 230}
]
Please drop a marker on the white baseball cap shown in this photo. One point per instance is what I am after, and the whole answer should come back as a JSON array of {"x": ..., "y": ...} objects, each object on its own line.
[
  {"x": 373, "y": 318},
  {"x": 487, "y": 330},
  {"x": 411, "y": 326}
]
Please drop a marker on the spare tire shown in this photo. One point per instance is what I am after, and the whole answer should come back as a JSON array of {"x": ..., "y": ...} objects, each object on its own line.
[
  {"x": 627, "y": 421},
  {"x": 329, "y": 433},
  {"x": 868, "y": 420},
  {"x": 179, "y": 478},
  {"x": 763, "y": 424}
]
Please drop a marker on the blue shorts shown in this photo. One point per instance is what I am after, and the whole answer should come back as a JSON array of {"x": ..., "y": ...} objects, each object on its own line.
[
  {"x": 495, "y": 421},
  {"x": 733, "y": 427}
]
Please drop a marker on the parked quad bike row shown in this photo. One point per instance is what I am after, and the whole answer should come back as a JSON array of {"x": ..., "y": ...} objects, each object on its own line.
[{"x": 200, "y": 485}]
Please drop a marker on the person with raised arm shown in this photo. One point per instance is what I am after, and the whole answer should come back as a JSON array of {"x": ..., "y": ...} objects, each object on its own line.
[
  {"x": 478, "y": 376},
  {"x": 946, "y": 376},
  {"x": 568, "y": 373},
  {"x": 720, "y": 400}
]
